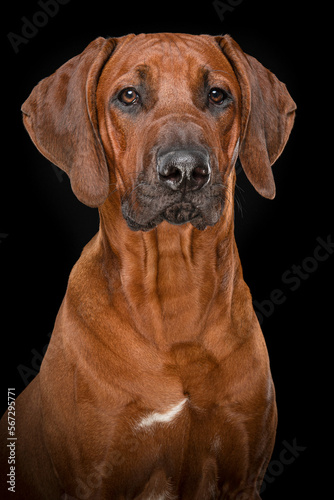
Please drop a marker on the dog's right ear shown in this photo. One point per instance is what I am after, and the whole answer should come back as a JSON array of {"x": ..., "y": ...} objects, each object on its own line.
[
  {"x": 267, "y": 117},
  {"x": 61, "y": 119}
]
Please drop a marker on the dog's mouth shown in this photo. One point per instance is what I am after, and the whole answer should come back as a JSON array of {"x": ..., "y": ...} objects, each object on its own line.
[
  {"x": 176, "y": 214},
  {"x": 180, "y": 213}
]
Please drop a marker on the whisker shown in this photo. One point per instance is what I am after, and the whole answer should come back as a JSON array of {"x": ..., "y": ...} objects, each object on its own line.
[
  {"x": 239, "y": 199},
  {"x": 226, "y": 192},
  {"x": 239, "y": 187},
  {"x": 132, "y": 202},
  {"x": 239, "y": 205}
]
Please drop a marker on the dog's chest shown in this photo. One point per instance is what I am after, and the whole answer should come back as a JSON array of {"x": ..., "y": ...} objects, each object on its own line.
[
  {"x": 161, "y": 453},
  {"x": 180, "y": 449},
  {"x": 171, "y": 449}
]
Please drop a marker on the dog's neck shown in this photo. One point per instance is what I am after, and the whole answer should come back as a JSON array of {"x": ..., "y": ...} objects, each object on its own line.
[{"x": 171, "y": 276}]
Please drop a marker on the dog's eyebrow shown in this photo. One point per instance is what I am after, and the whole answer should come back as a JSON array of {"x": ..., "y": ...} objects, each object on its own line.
[
  {"x": 204, "y": 73},
  {"x": 220, "y": 71},
  {"x": 142, "y": 70},
  {"x": 206, "y": 70}
]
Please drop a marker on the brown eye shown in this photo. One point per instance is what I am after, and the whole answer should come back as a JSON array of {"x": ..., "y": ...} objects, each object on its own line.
[
  {"x": 128, "y": 96},
  {"x": 217, "y": 96}
]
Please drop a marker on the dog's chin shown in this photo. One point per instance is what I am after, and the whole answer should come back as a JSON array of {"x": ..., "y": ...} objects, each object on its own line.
[
  {"x": 135, "y": 225},
  {"x": 180, "y": 213},
  {"x": 177, "y": 214}
]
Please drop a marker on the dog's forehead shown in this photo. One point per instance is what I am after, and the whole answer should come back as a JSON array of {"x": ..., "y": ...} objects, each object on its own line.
[{"x": 168, "y": 53}]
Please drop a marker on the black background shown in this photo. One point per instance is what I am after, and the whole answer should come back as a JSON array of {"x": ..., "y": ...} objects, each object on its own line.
[{"x": 43, "y": 227}]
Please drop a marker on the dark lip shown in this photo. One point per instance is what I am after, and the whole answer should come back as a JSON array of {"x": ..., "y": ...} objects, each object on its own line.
[
  {"x": 177, "y": 211},
  {"x": 136, "y": 226},
  {"x": 181, "y": 213},
  {"x": 175, "y": 214}
]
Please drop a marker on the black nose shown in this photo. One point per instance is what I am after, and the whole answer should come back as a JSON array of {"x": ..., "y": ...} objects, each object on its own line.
[{"x": 184, "y": 169}]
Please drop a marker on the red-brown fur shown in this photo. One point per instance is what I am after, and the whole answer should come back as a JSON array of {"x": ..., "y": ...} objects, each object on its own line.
[{"x": 152, "y": 317}]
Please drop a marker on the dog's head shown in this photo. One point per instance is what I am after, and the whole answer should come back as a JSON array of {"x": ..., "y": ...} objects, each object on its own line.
[{"x": 162, "y": 119}]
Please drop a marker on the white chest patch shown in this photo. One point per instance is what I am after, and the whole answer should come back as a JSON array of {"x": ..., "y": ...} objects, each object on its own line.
[{"x": 163, "y": 417}]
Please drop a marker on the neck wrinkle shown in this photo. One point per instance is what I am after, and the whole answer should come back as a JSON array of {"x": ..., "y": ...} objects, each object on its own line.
[{"x": 171, "y": 276}]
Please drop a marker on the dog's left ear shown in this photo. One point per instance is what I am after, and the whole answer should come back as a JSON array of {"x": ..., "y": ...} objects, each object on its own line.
[
  {"x": 61, "y": 119},
  {"x": 267, "y": 117}
]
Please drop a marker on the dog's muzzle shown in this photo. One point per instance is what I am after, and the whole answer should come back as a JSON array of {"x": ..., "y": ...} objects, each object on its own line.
[{"x": 181, "y": 186}]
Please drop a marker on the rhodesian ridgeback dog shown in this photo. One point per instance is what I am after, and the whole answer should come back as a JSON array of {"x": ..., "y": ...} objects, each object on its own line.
[{"x": 156, "y": 383}]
